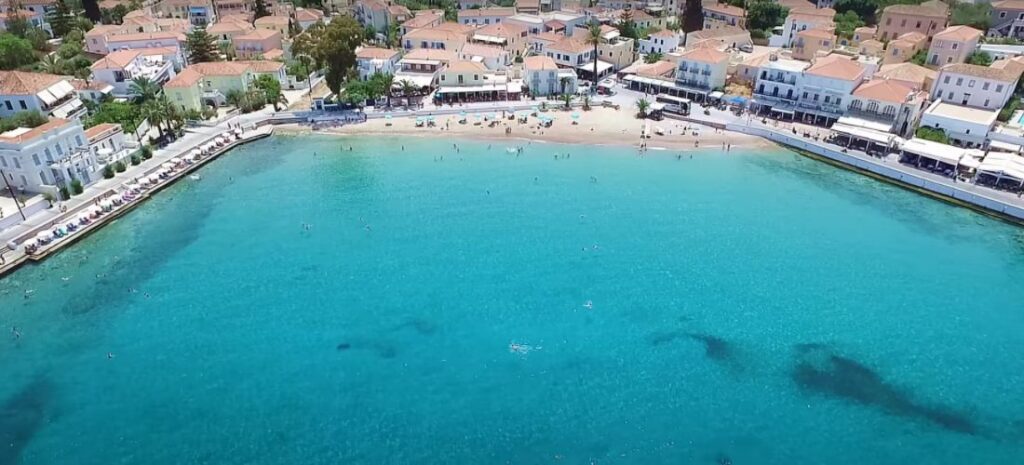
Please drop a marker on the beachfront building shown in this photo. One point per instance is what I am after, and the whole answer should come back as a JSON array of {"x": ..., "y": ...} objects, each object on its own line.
[
  {"x": 509, "y": 37},
  {"x": 574, "y": 53},
  {"x": 701, "y": 71},
  {"x": 722, "y": 14},
  {"x": 485, "y": 16},
  {"x": 905, "y": 47},
  {"x": 538, "y": 43},
  {"x": 257, "y": 44},
  {"x": 423, "y": 66},
  {"x": 618, "y": 51},
  {"x": 271, "y": 68},
  {"x": 1007, "y": 19},
  {"x": 964, "y": 126},
  {"x": 45, "y": 158},
  {"x": 663, "y": 42},
  {"x": 953, "y": 45},
  {"x": 543, "y": 77},
  {"x": 442, "y": 38},
  {"x": 48, "y": 94},
  {"x": 373, "y": 60},
  {"x": 469, "y": 81},
  {"x": 197, "y": 12},
  {"x": 107, "y": 143},
  {"x": 927, "y": 18},
  {"x": 802, "y": 19},
  {"x": 208, "y": 84},
  {"x": 119, "y": 69},
  {"x": 913, "y": 75},
  {"x": 813, "y": 43},
  {"x": 986, "y": 87},
  {"x": 894, "y": 106},
  {"x": 492, "y": 57},
  {"x": 825, "y": 89},
  {"x": 776, "y": 88}
]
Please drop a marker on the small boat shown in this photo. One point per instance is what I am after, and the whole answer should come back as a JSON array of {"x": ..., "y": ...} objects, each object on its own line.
[{"x": 195, "y": 177}]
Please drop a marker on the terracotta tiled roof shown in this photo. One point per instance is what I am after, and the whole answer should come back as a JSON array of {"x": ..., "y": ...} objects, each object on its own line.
[
  {"x": 913, "y": 37},
  {"x": 501, "y": 30},
  {"x": 272, "y": 21},
  {"x": 308, "y": 14},
  {"x": 273, "y": 54},
  {"x": 480, "y": 50},
  {"x": 1008, "y": 5},
  {"x": 927, "y": 9},
  {"x": 986, "y": 72},
  {"x": 959, "y": 34},
  {"x": 431, "y": 54},
  {"x": 24, "y": 83},
  {"x": 98, "y": 86},
  {"x": 422, "y": 20},
  {"x": 101, "y": 130},
  {"x": 116, "y": 60},
  {"x": 375, "y": 53},
  {"x": 665, "y": 33},
  {"x": 467, "y": 66},
  {"x": 884, "y": 90},
  {"x": 836, "y": 67},
  {"x": 221, "y": 68},
  {"x": 810, "y": 13},
  {"x": 705, "y": 55},
  {"x": 1014, "y": 66},
  {"x": 147, "y": 36},
  {"x": 21, "y": 137},
  {"x": 724, "y": 31},
  {"x": 186, "y": 78},
  {"x": 549, "y": 36},
  {"x": 16, "y": 14},
  {"x": 570, "y": 45},
  {"x": 907, "y": 72},
  {"x": 263, "y": 66},
  {"x": 539, "y": 63},
  {"x": 659, "y": 68},
  {"x": 432, "y": 34},
  {"x": 229, "y": 26},
  {"x": 725, "y": 9},
  {"x": 493, "y": 11},
  {"x": 258, "y": 34},
  {"x": 816, "y": 34}
]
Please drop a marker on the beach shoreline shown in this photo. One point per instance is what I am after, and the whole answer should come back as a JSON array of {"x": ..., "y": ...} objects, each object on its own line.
[{"x": 598, "y": 126}]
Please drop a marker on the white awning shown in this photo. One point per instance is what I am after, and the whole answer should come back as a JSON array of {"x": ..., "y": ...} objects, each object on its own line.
[
  {"x": 1003, "y": 165},
  {"x": 64, "y": 110},
  {"x": 484, "y": 88},
  {"x": 602, "y": 66},
  {"x": 783, "y": 111},
  {"x": 864, "y": 123},
  {"x": 716, "y": 94},
  {"x": 419, "y": 80},
  {"x": 490, "y": 39},
  {"x": 934, "y": 151},
  {"x": 877, "y": 137},
  {"x": 46, "y": 97},
  {"x": 414, "y": 61}
]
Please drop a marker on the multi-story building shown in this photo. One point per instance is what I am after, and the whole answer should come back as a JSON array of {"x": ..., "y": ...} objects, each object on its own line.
[
  {"x": 1007, "y": 19},
  {"x": 306, "y": 17},
  {"x": 224, "y": 31},
  {"x": 534, "y": 24},
  {"x": 802, "y": 19},
  {"x": 905, "y": 47},
  {"x": 107, "y": 143},
  {"x": 662, "y": 42},
  {"x": 380, "y": 14},
  {"x": 448, "y": 36},
  {"x": 45, "y": 158},
  {"x": 915, "y": 76},
  {"x": 46, "y": 93},
  {"x": 492, "y": 15},
  {"x": 701, "y": 71},
  {"x": 197, "y": 12},
  {"x": 894, "y": 104},
  {"x": 274, "y": 23},
  {"x": 964, "y": 126},
  {"x": 813, "y": 43},
  {"x": 209, "y": 84},
  {"x": 776, "y": 89},
  {"x": 543, "y": 77},
  {"x": 492, "y": 57},
  {"x": 953, "y": 45},
  {"x": 373, "y": 60},
  {"x": 472, "y": 81},
  {"x": 423, "y": 19},
  {"x": 257, "y": 44},
  {"x": 422, "y": 66},
  {"x": 172, "y": 40},
  {"x": 825, "y": 89},
  {"x": 119, "y": 69},
  {"x": 927, "y": 18},
  {"x": 863, "y": 33},
  {"x": 510, "y": 37},
  {"x": 987, "y": 87},
  {"x": 723, "y": 14},
  {"x": 724, "y": 37}
]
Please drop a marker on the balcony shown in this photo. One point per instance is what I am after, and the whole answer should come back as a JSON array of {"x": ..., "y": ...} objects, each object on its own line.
[{"x": 779, "y": 78}]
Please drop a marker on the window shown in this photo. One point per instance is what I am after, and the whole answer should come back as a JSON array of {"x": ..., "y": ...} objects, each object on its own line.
[
  {"x": 9, "y": 106},
  {"x": 959, "y": 81},
  {"x": 955, "y": 45},
  {"x": 17, "y": 163},
  {"x": 986, "y": 102},
  {"x": 889, "y": 111},
  {"x": 49, "y": 156},
  {"x": 60, "y": 150},
  {"x": 42, "y": 179},
  {"x": 999, "y": 88},
  {"x": 3, "y": 162},
  {"x": 35, "y": 159},
  {"x": 805, "y": 94},
  {"x": 950, "y": 96},
  {"x": 946, "y": 81},
  {"x": 918, "y": 25},
  {"x": 23, "y": 106},
  {"x": 827, "y": 99},
  {"x": 984, "y": 86},
  {"x": 839, "y": 101},
  {"x": 970, "y": 83},
  {"x": 903, "y": 23},
  {"x": 78, "y": 139},
  {"x": 873, "y": 107}
]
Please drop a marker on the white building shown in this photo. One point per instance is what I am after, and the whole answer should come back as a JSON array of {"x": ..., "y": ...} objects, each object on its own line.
[
  {"x": 484, "y": 16},
  {"x": 543, "y": 77},
  {"x": 493, "y": 57},
  {"x": 45, "y": 158},
  {"x": 965, "y": 126},
  {"x": 107, "y": 143},
  {"x": 777, "y": 87},
  {"x": 372, "y": 60},
  {"x": 701, "y": 71},
  {"x": 976, "y": 86},
  {"x": 895, "y": 104},
  {"x": 46, "y": 93},
  {"x": 802, "y": 19},
  {"x": 532, "y": 23},
  {"x": 119, "y": 69},
  {"x": 663, "y": 42},
  {"x": 825, "y": 89}
]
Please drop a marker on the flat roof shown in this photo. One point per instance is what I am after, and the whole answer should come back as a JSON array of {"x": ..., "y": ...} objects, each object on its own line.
[{"x": 972, "y": 115}]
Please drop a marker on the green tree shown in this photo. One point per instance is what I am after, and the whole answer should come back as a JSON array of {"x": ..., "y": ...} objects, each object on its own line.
[
  {"x": 979, "y": 58},
  {"x": 144, "y": 89},
  {"x": 932, "y": 134},
  {"x": 38, "y": 37},
  {"x": 846, "y": 23},
  {"x": 919, "y": 58},
  {"x": 18, "y": 25},
  {"x": 595, "y": 38},
  {"x": 626, "y": 25},
  {"x": 693, "y": 15},
  {"x": 271, "y": 90},
  {"x": 22, "y": 119},
  {"x": 60, "y": 18},
  {"x": 337, "y": 47},
  {"x": 864, "y": 9},
  {"x": 642, "y": 105},
  {"x": 976, "y": 15},
  {"x": 408, "y": 90},
  {"x": 155, "y": 114},
  {"x": 369, "y": 33},
  {"x": 52, "y": 64},
  {"x": 653, "y": 57},
  {"x": 764, "y": 15},
  {"x": 201, "y": 46},
  {"x": 260, "y": 10},
  {"x": 126, "y": 114},
  {"x": 567, "y": 100},
  {"x": 383, "y": 82},
  {"x": 15, "y": 52},
  {"x": 92, "y": 10}
]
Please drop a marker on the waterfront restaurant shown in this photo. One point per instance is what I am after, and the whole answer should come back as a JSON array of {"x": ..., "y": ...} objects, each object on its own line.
[
  {"x": 933, "y": 156},
  {"x": 1002, "y": 170},
  {"x": 872, "y": 137},
  {"x": 471, "y": 81}
]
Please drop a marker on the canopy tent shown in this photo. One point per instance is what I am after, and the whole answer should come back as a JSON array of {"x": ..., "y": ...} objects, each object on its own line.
[
  {"x": 865, "y": 123},
  {"x": 1003, "y": 165},
  {"x": 934, "y": 151},
  {"x": 870, "y": 135},
  {"x": 64, "y": 110}
]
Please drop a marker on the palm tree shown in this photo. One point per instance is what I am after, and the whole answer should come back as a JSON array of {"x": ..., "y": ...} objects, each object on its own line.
[
  {"x": 385, "y": 81},
  {"x": 594, "y": 38},
  {"x": 408, "y": 90},
  {"x": 567, "y": 99},
  {"x": 565, "y": 83},
  {"x": 51, "y": 64},
  {"x": 642, "y": 105},
  {"x": 234, "y": 97},
  {"x": 586, "y": 102},
  {"x": 156, "y": 114},
  {"x": 144, "y": 88},
  {"x": 280, "y": 100},
  {"x": 653, "y": 57}
]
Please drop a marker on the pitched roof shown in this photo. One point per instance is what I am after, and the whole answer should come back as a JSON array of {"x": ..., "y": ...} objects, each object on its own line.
[
  {"x": 724, "y": 31},
  {"x": 884, "y": 90},
  {"x": 725, "y": 9},
  {"x": 466, "y": 66},
  {"x": 422, "y": 20},
  {"x": 664, "y": 33},
  {"x": 660, "y": 68},
  {"x": 147, "y": 36},
  {"x": 308, "y": 14},
  {"x": 101, "y": 129},
  {"x": 263, "y": 66},
  {"x": 907, "y": 72},
  {"x": 959, "y": 33},
  {"x": 25, "y": 83},
  {"x": 431, "y": 54},
  {"x": 116, "y": 60},
  {"x": 836, "y": 67},
  {"x": 17, "y": 137},
  {"x": 539, "y": 63},
  {"x": 705, "y": 55},
  {"x": 986, "y": 72},
  {"x": 186, "y": 78},
  {"x": 272, "y": 21},
  {"x": 1014, "y": 66},
  {"x": 912, "y": 37},
  {"x": 548, "y": 36},
  {"x": 816, "y": 34},
  {"x": 810, "y": 13},
  {"x": 493, "y": 11},
  {"x": 273, "y": 54},
  {"x": 568, "y": 44},
  {"x": 227, "y": 26},
  {"x": 258, "y": 34},
  {"x": 375, "y": 53},
  {"x": 221, "y": 68},
  {"x": 928, "y": 9},
  {"x": 501, "y": 30},
  {"x": 433, "y": 33},
  {"x": 480, "y": 50},
  {"x": 1008, "y": 5}
]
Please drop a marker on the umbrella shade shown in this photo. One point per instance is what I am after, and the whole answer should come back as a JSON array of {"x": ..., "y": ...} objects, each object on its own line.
[
  {"x": 387, "y": 116},
  {"x": 575, "y": 115},
  {"x": 462, "y": 113}
]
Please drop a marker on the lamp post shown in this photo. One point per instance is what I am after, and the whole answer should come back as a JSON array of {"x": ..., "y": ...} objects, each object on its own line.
[{"x": 13, "y": 195}]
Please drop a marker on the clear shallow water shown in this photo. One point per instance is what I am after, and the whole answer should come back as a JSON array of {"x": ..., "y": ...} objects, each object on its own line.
[{"x": 763, "y": 307}]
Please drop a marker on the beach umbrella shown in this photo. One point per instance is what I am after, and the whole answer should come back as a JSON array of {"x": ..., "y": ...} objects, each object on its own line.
[
  {"x": 387, "y": 116},
  {"x": 462, "y": 113},
  {"x": 575, "y": 115},
  {"x": 430, "y": 118},
  {"x": 494, "y": 115}
]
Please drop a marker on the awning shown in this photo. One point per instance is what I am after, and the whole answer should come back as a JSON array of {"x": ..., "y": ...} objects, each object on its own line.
[
  {"x": 865, "y": 123},
  {"x": 483, "y": 88},
  {"x": 783, "y": 111},
  {"x": 602, "y": 66},
  {"x": 64, "y": 110},
  {"x": 1003, "y": 165},
  {"x": 871, "y": 135},
  {"x": 419, "y": 80},
  {"x": 490, "y": 39},
  {"x": 716, "y": 94},
  {"x": 934, "y": 151}
]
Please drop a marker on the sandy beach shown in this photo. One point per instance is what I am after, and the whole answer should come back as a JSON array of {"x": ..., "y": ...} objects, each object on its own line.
[{"x": 601, "y": 126}]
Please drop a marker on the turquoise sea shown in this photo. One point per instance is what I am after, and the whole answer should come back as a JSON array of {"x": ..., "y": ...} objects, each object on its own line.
[{"x": 307, "y": 304}]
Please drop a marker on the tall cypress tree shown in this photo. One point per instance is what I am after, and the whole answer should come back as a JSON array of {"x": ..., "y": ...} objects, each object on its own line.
[
  {"x": 261, "y": 9},
  {"x": 201, "y": 46},
  {"x": 693, "y": 16},
  {"x": 60, "y": 19},
  {"x": 92, "y": 10}
]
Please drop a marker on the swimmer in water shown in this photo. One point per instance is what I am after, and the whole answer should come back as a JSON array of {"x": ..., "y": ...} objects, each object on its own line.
[
  {"x": 110, "y": 355},
  {"x": 589, "y": 305}
]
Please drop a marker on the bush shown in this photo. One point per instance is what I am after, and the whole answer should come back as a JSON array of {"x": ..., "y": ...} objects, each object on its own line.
[
  {"x": 76, "y": 187},
  {"x": 136, "y": 160},
  {"x": 108, "y": 172},
  {"x": 146, "y": 152},
  {"x": 49, "y": 198},
  {"x": 1007, "y": 112},
  {"x": 119, "y": 167},
  {"x": 932, "y": 134},
  {"x": 64, "y": 194}
]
